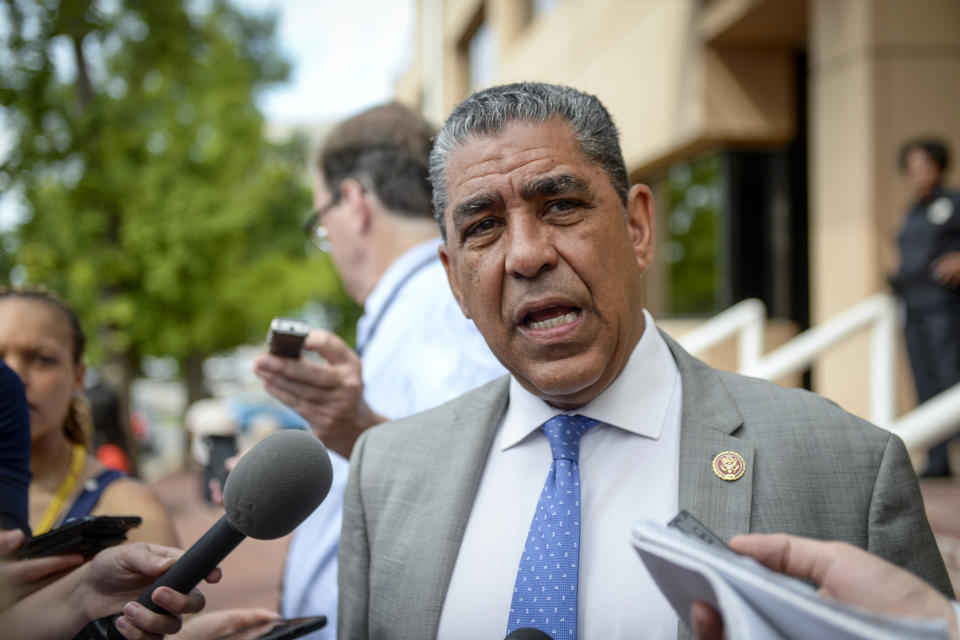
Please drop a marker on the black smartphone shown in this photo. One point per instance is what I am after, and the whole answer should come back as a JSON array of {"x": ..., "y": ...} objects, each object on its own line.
[
  {"x": 86, "y": 536},
  {"x": 286, "y": 336},
  {"x": 281, "y": 629}
]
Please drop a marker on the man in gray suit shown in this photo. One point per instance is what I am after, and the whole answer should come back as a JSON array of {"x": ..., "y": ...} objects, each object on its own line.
[{"x": 544, "y": 246}]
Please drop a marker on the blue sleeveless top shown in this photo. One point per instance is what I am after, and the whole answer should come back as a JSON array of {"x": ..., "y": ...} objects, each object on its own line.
[{"x": 88, "y": 498}]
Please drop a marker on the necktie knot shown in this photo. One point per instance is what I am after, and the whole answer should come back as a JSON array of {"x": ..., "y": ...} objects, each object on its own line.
[{"x": 564, "y": 433}]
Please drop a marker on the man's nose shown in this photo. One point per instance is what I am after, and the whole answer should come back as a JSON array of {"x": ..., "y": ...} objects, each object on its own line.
[{"x": 530, "y": 249}]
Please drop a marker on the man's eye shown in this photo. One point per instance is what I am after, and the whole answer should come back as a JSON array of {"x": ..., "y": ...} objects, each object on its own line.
[
  {"x": 562, "y": 206},
  {"x": 484, "y": 226}
]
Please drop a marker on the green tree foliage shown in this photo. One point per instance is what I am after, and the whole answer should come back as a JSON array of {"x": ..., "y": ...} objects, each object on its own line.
[
  {"x": 694, "y": 253},
  {"x": 155, "y": 204}
]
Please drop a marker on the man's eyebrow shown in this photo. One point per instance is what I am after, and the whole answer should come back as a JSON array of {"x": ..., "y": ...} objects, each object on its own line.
[
  {"x": 474, "y": 205},
  {"x": 564, "y": 184}
]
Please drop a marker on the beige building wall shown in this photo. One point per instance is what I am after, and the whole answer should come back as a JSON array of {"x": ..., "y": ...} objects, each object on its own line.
[
  {"x": 881, "y": 71},
  {"x": 681, "y": 77}
]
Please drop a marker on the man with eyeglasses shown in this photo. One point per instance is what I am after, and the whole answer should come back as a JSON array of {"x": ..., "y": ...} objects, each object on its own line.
[{"x": 415, "y": 349}]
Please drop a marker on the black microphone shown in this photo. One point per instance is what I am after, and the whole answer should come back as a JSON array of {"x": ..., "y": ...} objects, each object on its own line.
[
  {"x": 273, "y": 488},
  {"x": 528, "y": 633}
]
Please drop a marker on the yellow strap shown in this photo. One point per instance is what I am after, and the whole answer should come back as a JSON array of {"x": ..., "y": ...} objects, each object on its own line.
[{"x": 66, "y": 488}]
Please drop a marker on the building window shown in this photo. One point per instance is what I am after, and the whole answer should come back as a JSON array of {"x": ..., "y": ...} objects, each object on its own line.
[
  {"x": 735, "y": 227},
  {"x": 482, "y": 56},
  {"x": 694, "y": 239}
]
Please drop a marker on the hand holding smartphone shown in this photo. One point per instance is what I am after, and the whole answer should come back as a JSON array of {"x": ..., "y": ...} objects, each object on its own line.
[
  {"x": 86, "y": 536},
  {"x": 277, "y": 629},
  {"x": 286, "y": 336}
]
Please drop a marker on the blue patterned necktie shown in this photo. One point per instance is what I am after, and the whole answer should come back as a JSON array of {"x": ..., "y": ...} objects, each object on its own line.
[{"x": 545, "y": 594}]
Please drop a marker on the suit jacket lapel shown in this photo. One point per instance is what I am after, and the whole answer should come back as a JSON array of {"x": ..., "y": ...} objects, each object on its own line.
[
  {"x": 708, "y": 426},
  {"x": 461, "y": 456}
]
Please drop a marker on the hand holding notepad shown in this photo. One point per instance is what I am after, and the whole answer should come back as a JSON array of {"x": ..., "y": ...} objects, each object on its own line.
[{"x": 756, "y": 602}]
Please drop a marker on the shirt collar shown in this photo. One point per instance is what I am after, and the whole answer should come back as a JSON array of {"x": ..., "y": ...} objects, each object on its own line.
[
  {"x": 391, "y": 278},
  {"x": 636, "y": 401}
]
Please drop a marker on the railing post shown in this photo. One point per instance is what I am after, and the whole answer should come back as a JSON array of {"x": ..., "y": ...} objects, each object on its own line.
[
  {"x": 744, "y": 320},
  {"x": 883, "y": 360},
  {"x": 933, "y": 421},
  {"x": 750, "y": 340}
]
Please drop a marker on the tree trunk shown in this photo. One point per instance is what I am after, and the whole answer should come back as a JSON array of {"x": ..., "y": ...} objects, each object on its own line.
[
  {"x": 118, "y": 373},
  {"x": 192, "y": 367},
  {"x": 84, "y": 90},
  {"x": 193, "y": 377}
]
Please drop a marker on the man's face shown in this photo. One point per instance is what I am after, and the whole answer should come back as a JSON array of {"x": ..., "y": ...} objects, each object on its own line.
[
  {"x": 922, "y": 172},
  {"x": 342, "y": 235},
  {"x": 543, "y": 258}
]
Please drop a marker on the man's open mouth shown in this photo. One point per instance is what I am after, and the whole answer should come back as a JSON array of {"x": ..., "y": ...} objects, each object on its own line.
[{"x": 550, "y": 318}]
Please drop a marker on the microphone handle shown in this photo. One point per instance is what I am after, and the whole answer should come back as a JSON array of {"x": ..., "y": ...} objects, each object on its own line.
[
  {"x": 194, "y": 565},
  {"x": 189, "y": 569}
]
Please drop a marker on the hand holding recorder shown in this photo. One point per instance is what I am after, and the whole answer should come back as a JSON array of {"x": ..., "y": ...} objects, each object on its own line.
[{"x": 327, "y": 392}]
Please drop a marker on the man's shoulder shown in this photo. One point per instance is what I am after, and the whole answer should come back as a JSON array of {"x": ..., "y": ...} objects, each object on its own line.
[
  {"x": 807, "y": 422},
  {"x": 429, "y": 282},
  {"x": 425, "y": 350},
  {"x": 769, "y": 410},
  {"x": 426, "y": 306},
  {"x": 480, "y": 404}
]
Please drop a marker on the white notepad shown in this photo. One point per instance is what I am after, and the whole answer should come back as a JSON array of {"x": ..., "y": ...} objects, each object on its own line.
[{"x": 757, "y": 603}]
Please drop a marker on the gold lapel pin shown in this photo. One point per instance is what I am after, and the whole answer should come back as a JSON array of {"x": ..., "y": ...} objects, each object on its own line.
[{"x": 729, "y": 465}]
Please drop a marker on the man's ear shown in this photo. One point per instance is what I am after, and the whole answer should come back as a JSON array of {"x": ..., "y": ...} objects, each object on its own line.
[
  {"x": 452, "y": 278},
  {"x": 641, "y": 215},
  {"x": 352, "y": 194}
]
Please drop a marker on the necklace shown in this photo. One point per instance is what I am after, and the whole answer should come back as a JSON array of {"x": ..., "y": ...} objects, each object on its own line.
[{"x": 63, "y": 492}]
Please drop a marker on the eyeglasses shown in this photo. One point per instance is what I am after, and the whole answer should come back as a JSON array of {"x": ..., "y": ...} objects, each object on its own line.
[
  {"x": 314, "y": 227},
  {"x": 316, "y": 230}
]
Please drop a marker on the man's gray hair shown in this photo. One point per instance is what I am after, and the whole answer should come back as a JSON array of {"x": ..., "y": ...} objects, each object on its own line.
[{"x": 487, "y": 112}]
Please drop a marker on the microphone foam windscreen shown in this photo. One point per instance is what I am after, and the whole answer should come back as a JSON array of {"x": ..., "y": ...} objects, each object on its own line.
[{"x": 277, "y": 484}]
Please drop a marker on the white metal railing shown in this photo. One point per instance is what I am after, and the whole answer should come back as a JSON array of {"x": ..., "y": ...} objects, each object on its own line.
[
  {"x": 877, "y": 313},
  {"x": 922, "y": 427},
  {"x": 744, "y": 319},
  {"x": 931, "y": 422}
]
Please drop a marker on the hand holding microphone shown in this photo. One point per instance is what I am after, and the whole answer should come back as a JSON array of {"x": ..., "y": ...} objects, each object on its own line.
[{"x": 272, "y": 489}]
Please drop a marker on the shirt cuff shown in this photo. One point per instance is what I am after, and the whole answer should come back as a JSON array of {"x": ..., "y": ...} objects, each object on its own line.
[{"x": 956, "y": 612}]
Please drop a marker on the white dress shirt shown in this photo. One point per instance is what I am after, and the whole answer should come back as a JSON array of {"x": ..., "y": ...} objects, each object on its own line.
[
  {"x": 629, "y": 469},
  {"x": 418, "y": 351},
  {"x": 423, "y": 351}
]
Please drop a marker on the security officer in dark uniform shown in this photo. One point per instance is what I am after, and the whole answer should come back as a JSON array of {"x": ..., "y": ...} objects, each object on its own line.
[{"x": 928, "y": 280}]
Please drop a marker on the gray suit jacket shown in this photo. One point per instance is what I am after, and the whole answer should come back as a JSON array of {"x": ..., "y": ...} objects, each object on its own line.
[{"x": 811, "y": 469}]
